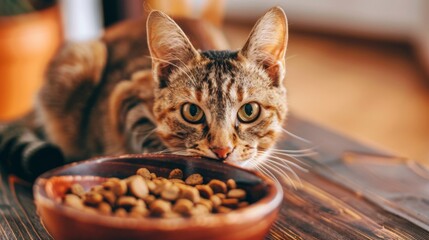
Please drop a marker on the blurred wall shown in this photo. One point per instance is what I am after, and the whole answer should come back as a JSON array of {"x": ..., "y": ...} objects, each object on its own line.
[{"x": 396, "y": 20}]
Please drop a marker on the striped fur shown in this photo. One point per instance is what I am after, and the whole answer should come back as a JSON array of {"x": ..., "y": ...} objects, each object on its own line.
[{"x": 131, "y": 102}]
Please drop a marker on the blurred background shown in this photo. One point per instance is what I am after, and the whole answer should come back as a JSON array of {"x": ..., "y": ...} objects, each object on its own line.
[{"x": 358, "y": 67}]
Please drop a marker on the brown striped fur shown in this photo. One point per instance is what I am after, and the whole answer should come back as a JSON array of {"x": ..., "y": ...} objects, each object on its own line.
[{"x": 124, "y": 94}]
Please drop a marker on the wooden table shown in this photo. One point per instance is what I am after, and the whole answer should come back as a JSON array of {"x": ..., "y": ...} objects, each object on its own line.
[{"x": 350, "y": 191}]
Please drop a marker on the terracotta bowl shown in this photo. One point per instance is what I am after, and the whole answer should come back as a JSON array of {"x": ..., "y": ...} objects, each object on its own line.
[{"x": 252, "y": 222}]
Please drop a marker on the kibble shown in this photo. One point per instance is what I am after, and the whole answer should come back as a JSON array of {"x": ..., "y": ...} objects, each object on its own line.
[
  {"x": 138, "y": 186},
  {"x": 160, "y": 207},
  {"x": 205, "y": 191},
  {"x": 126, "y": 201},
  {"x": 77, "y": 189},
  {"x": 218, "y": 186},
  {"x": 216, "y": 200},
  {"x": 105, "y": 208},
  {"x": 176, "y": 174},
  {"x": 147, "y": 195},
  {"x": 194, "y": 179},
  {"x": 170, "y": 193},
  {"x": 93, "y": 198},
  {"x": 144, "y": 172},
  {"x": 237, "y": 193},
  {"x": 231, "y": 184},
  {"x": 73, "y": 201},
  {"x": 183, "y": 206},
  {"x": 117, "y": 186},
  {"x": 230, "y": 202}
]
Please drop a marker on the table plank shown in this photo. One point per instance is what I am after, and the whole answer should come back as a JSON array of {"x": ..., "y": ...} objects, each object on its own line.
[{"x": 322, "y": 209}]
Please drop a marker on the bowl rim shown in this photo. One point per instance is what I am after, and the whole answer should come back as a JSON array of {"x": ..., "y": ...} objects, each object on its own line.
[{"x": 264, "y": 206}]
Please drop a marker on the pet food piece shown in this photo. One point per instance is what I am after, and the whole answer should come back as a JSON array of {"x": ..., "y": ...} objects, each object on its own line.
[
  {"x": 194, "y": 179},
  {"x": 105, "y": 208},
  {"x": 126, "y": 201},
  {"x": 222, "y": 209},
  {"x": 243, "y": 204},
  {"x": 231, "y": 184},
  {"x": 170, "y": 193},
  {"x": 171, "y": 215},
  {"x": 175, "y": 180},
  {"x": 218, "y": 186},
  {"x": 92, "y": 198},
  {"x": 90, "y": 210},
  {"x": 153, "y": 176},
  {"x": 149, "y": 199},
  {"x": 200, "y": 210},
  {"x": 108, "y": 196},
  {"x": 96, "y": 188},
  {"x": 205, "y": 191},
  {"x": 73, "y": 201},
  {"x": 159, "y": 207},
  {"x": 206, "y": 203},
  {"x": 240, "y": 194},
  {"x": 160, "y": 185},
  {"x": 221, "y": 195},
  {"x": 183, "y": 207},
  {"x": 176, "y": 174},
  {"x": 216, "y": 200},
  {"x": 230, "y": 202},
  {"x": 77, "y": 190},
  {"x": 144, "y": 172},
  {"x": 121, "y": 212},
  {"x": 190, "y": 193},
  {"x": 150, "y": 185},
  {"x": 140, "y": 203},
  {"x": 117, "y": 186},
  {"x": 138, "y": 186},
  {"x": 139, "y": 211}
]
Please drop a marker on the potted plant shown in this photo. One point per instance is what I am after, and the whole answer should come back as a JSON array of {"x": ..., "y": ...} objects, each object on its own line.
[{"x": 30, "y": 33}]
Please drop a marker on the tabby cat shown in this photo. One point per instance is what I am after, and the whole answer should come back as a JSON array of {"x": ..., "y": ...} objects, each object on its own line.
[{"x": 110, "y": 97}]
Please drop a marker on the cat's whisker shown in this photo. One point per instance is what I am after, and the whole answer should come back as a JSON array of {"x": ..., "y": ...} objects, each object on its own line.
[
  {"x": 309, "y": 154},
  {"x": 312, "y": 149},
  {"x": 175, "y": 65},
  {"x": 290, "y": 162},
  {"x": 162, "y": 151},
  {"x": 168, "y": 150},
  {"x": 174, "y": 150},
  {"x": 291, "y": 156},
  {"x": 290, "y": 57},
  {"x": 284, "y": 164},
  {"x": 286, "y": 178},
  {"x": 269, "y": 174},
  {"x": 145, "y": 138},
  {"x": 142, "y": 133},
  {"x": 296, "y": 136},
  {"x": 281, "y": 167},
  {"x": 276, "y": 174}
]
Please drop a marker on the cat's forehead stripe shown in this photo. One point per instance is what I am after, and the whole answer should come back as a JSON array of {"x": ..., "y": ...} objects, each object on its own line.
[{"x": 220, "y": 55}]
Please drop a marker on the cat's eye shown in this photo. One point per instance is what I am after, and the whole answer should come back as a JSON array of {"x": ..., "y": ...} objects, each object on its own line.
[
  {"x": 192, "y": 113},
  {"x": 249, "y": 112}
]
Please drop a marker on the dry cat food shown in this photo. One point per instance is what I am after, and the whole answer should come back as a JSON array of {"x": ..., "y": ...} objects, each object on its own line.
[{"x": 146, "y": 195}]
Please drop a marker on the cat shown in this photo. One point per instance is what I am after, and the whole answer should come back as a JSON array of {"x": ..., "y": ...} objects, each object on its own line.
[{"x": 108, "y": 97}]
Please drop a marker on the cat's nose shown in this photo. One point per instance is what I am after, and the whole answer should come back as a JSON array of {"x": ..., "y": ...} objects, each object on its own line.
[{"x": 222, "y": 152}]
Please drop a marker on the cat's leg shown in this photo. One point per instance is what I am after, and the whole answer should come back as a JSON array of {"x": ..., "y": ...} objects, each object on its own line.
[
  {"x": 62, "y": 103},
  {"x": 132, "y": 125},
  {"x": 23, "y": 150}
]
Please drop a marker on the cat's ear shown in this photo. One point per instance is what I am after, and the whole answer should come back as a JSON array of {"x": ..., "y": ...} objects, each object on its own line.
[
  {"x": 168, "y": 45},
  {"x": 267, "y": 44}
]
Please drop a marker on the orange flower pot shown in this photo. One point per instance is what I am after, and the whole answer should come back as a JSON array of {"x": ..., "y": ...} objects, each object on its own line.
[{"x": 27, "y": 44}]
